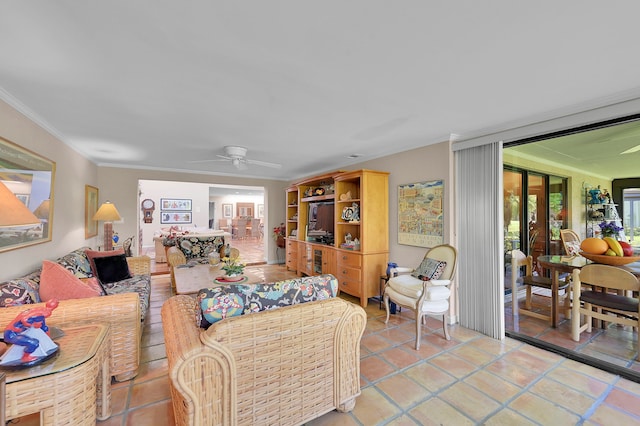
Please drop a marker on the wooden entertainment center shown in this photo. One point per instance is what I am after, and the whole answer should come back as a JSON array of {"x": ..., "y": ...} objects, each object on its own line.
[{"x": 317, "y": 244}]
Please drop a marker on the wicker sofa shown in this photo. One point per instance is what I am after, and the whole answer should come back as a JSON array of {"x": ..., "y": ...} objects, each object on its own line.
[
  {"x": 122, "y": 310},
  {"x": 282, "y": 366}
]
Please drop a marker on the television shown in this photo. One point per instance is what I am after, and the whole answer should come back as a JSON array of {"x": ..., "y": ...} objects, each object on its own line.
[{"x": 320, "y": 222}]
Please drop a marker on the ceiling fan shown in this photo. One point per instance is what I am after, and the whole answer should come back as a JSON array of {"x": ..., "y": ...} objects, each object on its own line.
[{"x": 237, "y": 156}]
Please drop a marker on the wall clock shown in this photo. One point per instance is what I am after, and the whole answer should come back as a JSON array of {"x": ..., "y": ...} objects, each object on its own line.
[{"x": 148, "y": 206}]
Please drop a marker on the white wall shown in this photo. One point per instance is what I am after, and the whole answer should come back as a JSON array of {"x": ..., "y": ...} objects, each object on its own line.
[{"x": 73, "y": 172}]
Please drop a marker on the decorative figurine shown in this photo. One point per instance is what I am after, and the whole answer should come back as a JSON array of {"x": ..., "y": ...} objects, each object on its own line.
[
  {"x": 355, "y": 217},
  {"x": 15, "y": 332},
  {"x": 595, "y": 195}
]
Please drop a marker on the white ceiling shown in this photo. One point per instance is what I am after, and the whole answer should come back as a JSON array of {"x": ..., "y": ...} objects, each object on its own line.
[{"x": 158, "y": 84}]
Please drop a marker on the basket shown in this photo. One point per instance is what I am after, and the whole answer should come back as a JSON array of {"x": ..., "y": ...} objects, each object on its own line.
[{"x": 610, "y": 260}]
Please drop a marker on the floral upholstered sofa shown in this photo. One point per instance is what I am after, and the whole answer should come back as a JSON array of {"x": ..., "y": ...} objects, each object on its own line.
[
  {"x": 276, "y": 353},
  {"x": 123, "y": 304}
]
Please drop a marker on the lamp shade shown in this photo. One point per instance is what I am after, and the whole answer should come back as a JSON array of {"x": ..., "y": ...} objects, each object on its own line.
[
  {"x": 42, "y": 211},
  {"x": 13, "y": 213},
  {"x": 107, "y": 212}
]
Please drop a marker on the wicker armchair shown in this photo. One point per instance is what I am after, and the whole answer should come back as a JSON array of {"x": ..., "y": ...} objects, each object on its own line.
[{"x": 284, "y": 366}]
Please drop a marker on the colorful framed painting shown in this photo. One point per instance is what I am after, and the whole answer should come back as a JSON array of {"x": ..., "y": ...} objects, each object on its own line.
[
  {"x": 175, "y": 217},
  {"x": 175, "y": 204},
  {"x": 90, "y": 209},
  {"x": 420, "y": 214}
]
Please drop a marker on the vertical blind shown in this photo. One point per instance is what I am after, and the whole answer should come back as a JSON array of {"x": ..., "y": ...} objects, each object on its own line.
[{"x": 480, "y": 239}]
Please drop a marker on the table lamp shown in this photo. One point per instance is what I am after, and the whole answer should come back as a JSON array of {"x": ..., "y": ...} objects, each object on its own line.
[
  {"x": 107, "y": 213},
  {"x": 13, "y": 212},
  {"x": 42, "y": 213}
]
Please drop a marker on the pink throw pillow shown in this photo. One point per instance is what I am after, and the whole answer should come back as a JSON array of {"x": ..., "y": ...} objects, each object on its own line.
[{"x": 56, "y": 282}]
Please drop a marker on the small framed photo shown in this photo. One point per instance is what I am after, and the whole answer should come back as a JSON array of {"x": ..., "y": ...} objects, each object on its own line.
[
  {"x": 90, "y": 208},
  {"x": 227, "y": 211},
  {"x": 175, "y": 204},
  {"x": 175, "y": 217}
]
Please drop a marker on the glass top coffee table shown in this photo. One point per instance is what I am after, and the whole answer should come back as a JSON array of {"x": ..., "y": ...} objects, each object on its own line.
[
  {"x": 71, "y": 388},
  {"x": 190, "y": 279}
]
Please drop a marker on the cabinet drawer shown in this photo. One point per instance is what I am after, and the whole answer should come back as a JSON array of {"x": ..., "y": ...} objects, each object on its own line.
[
  {"x": 349, "y": 274},
  {"x": 348, "y": 286},
  {"x": 352, "y": 260}
]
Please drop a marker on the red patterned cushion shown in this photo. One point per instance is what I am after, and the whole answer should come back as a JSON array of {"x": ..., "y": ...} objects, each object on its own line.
[{"x": 56, "y": 282}]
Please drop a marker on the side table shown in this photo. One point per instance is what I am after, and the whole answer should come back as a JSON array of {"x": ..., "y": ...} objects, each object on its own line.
[{"x": 72, "y": 388}]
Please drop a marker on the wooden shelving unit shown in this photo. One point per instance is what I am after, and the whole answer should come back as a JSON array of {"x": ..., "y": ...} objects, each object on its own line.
[{"x": 361, "y": 210}]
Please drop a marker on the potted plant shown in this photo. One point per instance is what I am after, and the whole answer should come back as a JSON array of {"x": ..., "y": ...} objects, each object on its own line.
[
  {"x": 232, "y": 267},
  {"x": 279, "y": 233}
]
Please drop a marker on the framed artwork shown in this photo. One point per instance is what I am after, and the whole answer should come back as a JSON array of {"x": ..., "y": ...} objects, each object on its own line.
[
  {"x": 227, "y": 211},
  {"x": 260, "y": 213},
  {"x": 420, "y": 213},
  {"x": 175, "y": 204},
  {"x": 26, "y": 188},
  {"x": 244, "y": 209},
  {"x": 90, "y": 208},
  {"x": 175, "y": 217}
]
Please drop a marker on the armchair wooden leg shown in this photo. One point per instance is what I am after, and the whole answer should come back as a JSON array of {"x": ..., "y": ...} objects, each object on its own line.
[
  {"x": 386, "y": 306},
  {"x": 444, "y": 327},
  {"x": 419, "y": 318}
]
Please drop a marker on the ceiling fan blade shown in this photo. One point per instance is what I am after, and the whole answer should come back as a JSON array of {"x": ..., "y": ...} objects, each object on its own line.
[
  {"x": 205, "y": 161},
  {"x": 264, "y": 164}
]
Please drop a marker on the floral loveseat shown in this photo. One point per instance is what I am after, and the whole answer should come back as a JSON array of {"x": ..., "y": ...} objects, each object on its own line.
[
  {"x": 123, "y": 305},
  {"x": 281, "y": 353}
]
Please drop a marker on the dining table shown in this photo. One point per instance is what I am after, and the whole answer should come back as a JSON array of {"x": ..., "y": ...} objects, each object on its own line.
[{"x": 557, "y": 264}]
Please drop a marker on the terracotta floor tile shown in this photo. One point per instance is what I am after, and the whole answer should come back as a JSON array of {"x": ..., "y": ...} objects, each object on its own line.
[
  {"x": 515, "y": 374},
  {"x": 436, "y": 412},
  {"x": 432, "y": 378},
  {"x": 119, "y": 400},
  {"x": 542, "y": 411},
  {"x": 152, "y": 370},
  {"x": 469, "y": 400},
  {"x": 624, "y": 400},
  {"x": 373, "y": 408},
  {"x": 375, "y": 342},
  {"x": 493, "y": 386},
  {"x": 578, "y": 381},
  {"x": 159, "y": 414},
  {"x": 562, "y": 395},
  {"x": 374, "y": 368},
  {"x": 399, "y": 357},
  {"x": 473, "y": 355},
  {"x": 152, "y": 353},
  {"x": 402, "y": 390},
  {"x": 453, "y": 364},
  {"x": 606, "y": 414},
  {"x": 507, "y": 417},
  {"x": 149, "y": 392}
]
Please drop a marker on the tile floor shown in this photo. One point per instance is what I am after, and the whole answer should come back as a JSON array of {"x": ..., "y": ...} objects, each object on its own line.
[
  {"x": 615, "y": 345},
  {"x": 471, "y": 379}
]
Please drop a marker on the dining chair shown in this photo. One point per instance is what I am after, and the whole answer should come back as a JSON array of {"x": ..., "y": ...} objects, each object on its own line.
[
  {"x": 426, "y": 289},
  {"x": 613, "y": 298},
  {"x": 518, "y": 261},
  {"x": 241, "y": 231},
  {"x": 255, "y": 229},
  {"x": 570, "y": 241}
]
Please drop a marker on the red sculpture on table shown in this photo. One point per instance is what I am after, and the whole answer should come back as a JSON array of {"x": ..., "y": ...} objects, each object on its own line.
[{"x": 35, "y": 317}]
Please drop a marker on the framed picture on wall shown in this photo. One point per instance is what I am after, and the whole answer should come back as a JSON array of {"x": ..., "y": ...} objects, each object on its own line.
[
  {"x": 260, "y": 213},
  {"x": 227, "y": 211},
  {"x": 175, "y": 204},
  {"x": 175, "y": 217},
  {"x": 90, "y": 208},
  {"x": 420, "y": 213}
]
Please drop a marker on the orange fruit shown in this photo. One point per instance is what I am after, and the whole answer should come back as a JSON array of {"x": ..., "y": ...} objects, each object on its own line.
[{"x": 594, "y": 245}]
